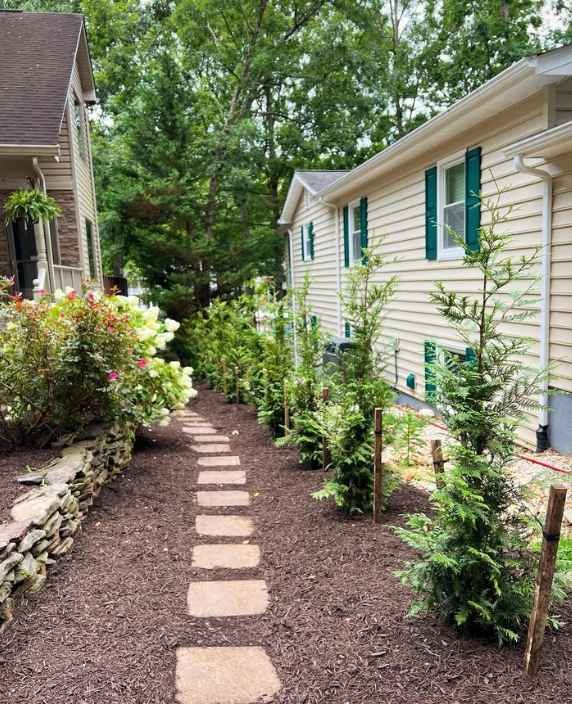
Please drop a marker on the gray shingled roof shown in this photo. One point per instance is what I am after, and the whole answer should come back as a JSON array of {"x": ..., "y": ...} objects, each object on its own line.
[
  {"x": 316, "y": 180},
  {"x": 37, "y": 53}
]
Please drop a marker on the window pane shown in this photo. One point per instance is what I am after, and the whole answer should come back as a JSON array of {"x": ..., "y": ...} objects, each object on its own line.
[
  {"x": 90, "y": 249},
  {"x": 356, "y": 245},
  {"x": 307, "y": 243},
  {"x": 454, "y": 219},
  {"x": 455, "y": 184}
]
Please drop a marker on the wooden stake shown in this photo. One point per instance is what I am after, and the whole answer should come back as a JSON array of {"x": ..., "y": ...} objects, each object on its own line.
[
  {"x": 551, "y": 533},
  {"x": 326, "y": 458},
  {"x": 378, "y": 466},
  {"x": 438, "y": 462},
  {"x": 286, "y": 410},
  {"x": 237, "y": 385}
]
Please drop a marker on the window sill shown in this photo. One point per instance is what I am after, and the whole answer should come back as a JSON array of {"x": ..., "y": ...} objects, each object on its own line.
[{"x": 450, "y": 255}]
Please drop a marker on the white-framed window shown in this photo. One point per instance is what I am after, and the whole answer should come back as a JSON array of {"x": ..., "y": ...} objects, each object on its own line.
[
  {"x": 452, "y": 356},
  {"x": 451, "y": 206},
  {"x": 307, "y": 242},
  {"x": 354, "y": 231}
]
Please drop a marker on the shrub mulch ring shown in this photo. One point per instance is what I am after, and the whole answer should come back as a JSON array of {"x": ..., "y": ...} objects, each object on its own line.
[
  {"x": 106, "y": 627},
  {"x": 14, "y": 463}
]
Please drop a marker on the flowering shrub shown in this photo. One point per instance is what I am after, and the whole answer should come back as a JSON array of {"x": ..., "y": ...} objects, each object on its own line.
[{"x": 73, "y": 360}]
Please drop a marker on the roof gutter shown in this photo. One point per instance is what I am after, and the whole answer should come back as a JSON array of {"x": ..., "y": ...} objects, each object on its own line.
[
  {"x": 542, "y": 433},
  {"x": 30, "y": 150}
]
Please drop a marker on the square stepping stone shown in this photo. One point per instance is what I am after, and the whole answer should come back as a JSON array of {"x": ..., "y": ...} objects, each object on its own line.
[
  {"x": 199, "y": 430},
  {"x": 222, "y": 476},
  {"x": 225, "y": 676},
  {"x": 227, "y": 461},
  {"x": 212, "y": 447},
  {"x": 229, "y": 597},
  {"x": 210, "y": 438},
  {"x": 225, "y": 556},
  {"x": 224, "y": 526},
  {"x": 223, "y": 498}
]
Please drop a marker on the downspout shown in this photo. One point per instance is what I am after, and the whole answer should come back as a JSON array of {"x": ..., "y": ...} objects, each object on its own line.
[
  {"x": 542, "y": 433},
  {"x": 338, "y": 273},
  {"x": 46, "y": 227}
]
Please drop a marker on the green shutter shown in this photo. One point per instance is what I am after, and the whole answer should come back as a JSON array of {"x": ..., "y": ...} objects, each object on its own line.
[
  {"x": 430, "y": 356},
  {"x": 314, "y": 321},
  {"x": 363, "y": 226},
  {"x": 302, "y": 240},
  {"x": 431, "y": 213},
  {"x": 473, "y": 197},
  {"x": 311, "y": 234},
  {"x": 347, "y": 329},
  {"x": 346, "y": 236},
  {"x": 470, "y": 355}
]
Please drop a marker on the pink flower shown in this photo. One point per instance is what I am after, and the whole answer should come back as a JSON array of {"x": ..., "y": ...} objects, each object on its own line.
[
  {"x": 112, "y": 376},
  {"x": 72, "y": 295},
  {"x": 142, "y": 363}
]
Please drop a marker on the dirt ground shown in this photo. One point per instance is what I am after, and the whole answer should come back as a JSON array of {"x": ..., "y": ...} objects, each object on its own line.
[{"x": 105, "y": 629}]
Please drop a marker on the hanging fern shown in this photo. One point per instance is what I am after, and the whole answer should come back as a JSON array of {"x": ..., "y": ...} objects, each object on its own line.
[{"x": 30, "y": 204}]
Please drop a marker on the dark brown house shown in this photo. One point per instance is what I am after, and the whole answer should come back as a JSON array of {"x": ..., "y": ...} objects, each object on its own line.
[{"x": 46, "y": 82}]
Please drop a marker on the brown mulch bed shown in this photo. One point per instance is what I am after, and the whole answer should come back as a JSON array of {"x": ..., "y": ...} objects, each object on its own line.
[
  {"x": 106, "y": 628},
  {"x": 13, "y": 463}
]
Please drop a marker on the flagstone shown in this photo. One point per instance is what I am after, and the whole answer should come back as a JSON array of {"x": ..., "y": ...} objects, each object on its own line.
[
  {"x": 224, "y": 526},
  {"x": 199, "y": 430},
  {"x": 225, "y": 676},
  {"x": 223, "y": 498},
  {"x": 211, "y": 447},
  {"x": 218, "y": 599},
  {"x": 225, "y": 556},
  {"x": 226, "y": 461},
  {"x": 211, "y": 438},
  {"x": 222, "y": 476}
]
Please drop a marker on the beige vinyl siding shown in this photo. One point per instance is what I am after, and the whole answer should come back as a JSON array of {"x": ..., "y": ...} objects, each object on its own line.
[
  {"x": 83, "y": 175},
  {"x": 322, "y": 269},
  {"x": 396, "y": 207},
  {"x": 563, "y": 103},
  {"x": 561, "y": 294},
  {"x": 58, "y": 174}
]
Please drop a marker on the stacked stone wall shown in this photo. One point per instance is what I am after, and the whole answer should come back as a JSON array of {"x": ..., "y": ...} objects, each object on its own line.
[{"x": 47, "y": 517}]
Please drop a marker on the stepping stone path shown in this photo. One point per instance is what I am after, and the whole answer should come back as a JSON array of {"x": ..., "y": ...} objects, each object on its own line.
[{"x": 223, "y": 675}]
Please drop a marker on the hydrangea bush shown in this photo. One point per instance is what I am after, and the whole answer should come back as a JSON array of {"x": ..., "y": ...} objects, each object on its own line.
[{"x": 72, "y": 360}]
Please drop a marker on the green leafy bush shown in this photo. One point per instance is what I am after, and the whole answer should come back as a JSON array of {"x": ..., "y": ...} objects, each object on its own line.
[
  {"x": 357, "y": 389},
  {"x": 409, "y": 439},
  {"x": 68, "y": 362},
  {"x": 475, "y": 567}
]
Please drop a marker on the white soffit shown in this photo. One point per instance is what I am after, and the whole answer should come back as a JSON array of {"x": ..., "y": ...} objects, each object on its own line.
[{"x": 547, "y": 144}]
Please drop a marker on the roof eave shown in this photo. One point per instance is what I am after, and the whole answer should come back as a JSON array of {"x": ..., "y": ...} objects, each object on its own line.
[
  {"x": 515, "y": 83},
  {"x": 556, "y": 140}
]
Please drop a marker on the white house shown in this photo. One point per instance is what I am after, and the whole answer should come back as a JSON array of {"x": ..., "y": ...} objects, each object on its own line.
[{"x": 514, "y": 133}]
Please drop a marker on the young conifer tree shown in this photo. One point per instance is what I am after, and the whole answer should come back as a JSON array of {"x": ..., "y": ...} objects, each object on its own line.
[{"x": 474, "y": 566}]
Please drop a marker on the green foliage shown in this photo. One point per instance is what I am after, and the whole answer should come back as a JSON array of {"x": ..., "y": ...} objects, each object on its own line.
[
  {"x": 274, "y": 367},
  {"x": 304, "y": 385},
  {"x": 409, "y": 438},
  {"x": 76, "y": 360},
  {"x": 31, "y": 205},
  {"x": 475, "y": 567},
  {"x": 357, "y": 389}
]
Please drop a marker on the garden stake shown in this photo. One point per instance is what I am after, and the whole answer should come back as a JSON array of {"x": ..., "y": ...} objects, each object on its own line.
[
  {"x": 286, "y": 410},
  {"x": 438, "y": 462},
  {"x": 325, "y": 450},
  {"x": 551, "y": 534},
  {"x": 378, "y": 466},
  {"x": 237, "y": 386}
]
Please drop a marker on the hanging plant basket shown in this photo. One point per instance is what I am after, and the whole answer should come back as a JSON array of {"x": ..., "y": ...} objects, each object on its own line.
[{"x": 30, "y": 205}]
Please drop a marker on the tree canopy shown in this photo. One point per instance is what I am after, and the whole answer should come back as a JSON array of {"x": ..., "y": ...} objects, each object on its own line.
[{"x": 207, "y": 106}]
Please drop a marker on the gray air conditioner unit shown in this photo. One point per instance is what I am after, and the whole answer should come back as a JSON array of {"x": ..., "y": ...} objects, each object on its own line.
[{"x": 335, "y": 349}]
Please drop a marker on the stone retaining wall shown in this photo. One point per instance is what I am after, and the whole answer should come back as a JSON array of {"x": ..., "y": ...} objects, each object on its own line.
[{"x": 46, "y": 518}]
